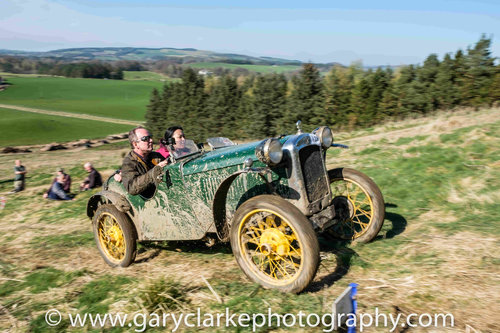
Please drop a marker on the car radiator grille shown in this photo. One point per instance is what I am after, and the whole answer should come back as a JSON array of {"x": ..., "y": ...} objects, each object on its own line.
[{"x": 314, "y": 175}]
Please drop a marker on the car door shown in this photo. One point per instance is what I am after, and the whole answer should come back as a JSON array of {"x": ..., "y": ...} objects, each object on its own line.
[{"x": 168, "y": 214}]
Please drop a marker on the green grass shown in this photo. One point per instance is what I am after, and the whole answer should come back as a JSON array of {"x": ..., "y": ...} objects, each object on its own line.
[
  {"x": 39, "y": 281},
  {"x": 163, "y": 295},
  {"x": 60, "y": 242},
  {"x": 146, "y": 76},
  {"x": 432, "y": 254},
  {"x": 96, "y": 295},
  {"x": 265, "y": 69},
  {"x": 424, "y": 181},
  {"x": 25, "y": 128},
  {"x": 108, "y": 98}
]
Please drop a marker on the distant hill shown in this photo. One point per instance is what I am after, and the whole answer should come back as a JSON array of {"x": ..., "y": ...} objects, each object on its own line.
[{"x": 187, "y": 55}]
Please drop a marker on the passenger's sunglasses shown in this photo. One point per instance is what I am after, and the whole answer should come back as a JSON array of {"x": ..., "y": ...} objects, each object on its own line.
[{"x": 146, "y": 138}]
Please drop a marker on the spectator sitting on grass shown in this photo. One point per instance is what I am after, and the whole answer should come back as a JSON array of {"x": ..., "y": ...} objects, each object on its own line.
[
  {"x": 60, "y": 187},
  {"x": 93, "y": 180}
]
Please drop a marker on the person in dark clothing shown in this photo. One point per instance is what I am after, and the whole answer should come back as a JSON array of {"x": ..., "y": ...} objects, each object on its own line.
[
  {"x": 19, "y": 172},
  {"x": 93, "y": 180},
  {"x": 60, "y": 187},
  {"x": 141, "y": 167}
]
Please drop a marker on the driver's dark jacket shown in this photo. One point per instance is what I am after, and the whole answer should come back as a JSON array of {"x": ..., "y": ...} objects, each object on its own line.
[{"x": 139, "y": 176}]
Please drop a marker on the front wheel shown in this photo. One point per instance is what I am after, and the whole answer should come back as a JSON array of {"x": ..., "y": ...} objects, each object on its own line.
[
  {"x": 114, "y": 236},
  {"x": 359, "y": 205},
  {"x": 275, "y": 244}
]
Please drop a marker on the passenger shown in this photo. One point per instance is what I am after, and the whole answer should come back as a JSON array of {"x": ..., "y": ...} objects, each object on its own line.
[
  {"x": 60, "y": 186},
  {"x": 176, "y": 133},
  {"x": 139, "y": 169},
  {"x": 93, "y": 180}
]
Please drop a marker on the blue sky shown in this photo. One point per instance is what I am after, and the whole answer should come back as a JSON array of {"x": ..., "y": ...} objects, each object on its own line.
[{"x": 375, "y": 32}]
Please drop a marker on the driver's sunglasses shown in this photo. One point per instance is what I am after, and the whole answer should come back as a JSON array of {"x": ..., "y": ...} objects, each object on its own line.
[{"x": 146, "y": 138}]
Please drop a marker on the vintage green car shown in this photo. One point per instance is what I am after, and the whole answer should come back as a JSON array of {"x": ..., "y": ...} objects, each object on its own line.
[{"x": 269, "y": 198}]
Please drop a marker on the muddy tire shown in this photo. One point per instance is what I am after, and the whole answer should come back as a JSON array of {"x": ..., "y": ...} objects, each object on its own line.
[
  {"x": 358, "y": 203},
  {"x": 115, "y": 236},
  {"x": 274, "y": 244}
]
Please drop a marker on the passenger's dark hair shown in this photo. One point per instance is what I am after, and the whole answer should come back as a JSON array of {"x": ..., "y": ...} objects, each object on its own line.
[{"x": 169, "y": 132}]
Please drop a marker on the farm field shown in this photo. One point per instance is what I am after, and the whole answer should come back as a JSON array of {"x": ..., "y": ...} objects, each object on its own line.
[
  {"x": 437, "y": 252},
  {"x": 265, "y": 69},
  {"x": 146, "y": 76},
  {"x": 26, "y": 128},
  {"x": 109, "y": 98}
]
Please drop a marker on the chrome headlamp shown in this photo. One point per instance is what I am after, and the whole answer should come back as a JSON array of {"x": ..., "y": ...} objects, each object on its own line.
[
  {"x": 269, "y": 151},
  {"x": 325, "y": 135}
]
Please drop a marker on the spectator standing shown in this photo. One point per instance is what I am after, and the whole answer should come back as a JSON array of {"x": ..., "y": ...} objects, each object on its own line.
[
  {"x": 19, "y": 172},
  {"x": 93, "y": 180}
]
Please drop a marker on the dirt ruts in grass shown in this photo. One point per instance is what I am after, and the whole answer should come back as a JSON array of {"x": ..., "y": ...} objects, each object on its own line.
[{"x": 70, "y": 115}]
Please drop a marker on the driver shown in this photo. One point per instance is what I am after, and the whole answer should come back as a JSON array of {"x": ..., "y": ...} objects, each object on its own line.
[{"x": 139, "y": 172}]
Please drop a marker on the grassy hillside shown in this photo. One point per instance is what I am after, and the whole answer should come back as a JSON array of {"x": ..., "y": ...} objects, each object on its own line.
[
  {"x": 144, "y": 54},
  {"x": 109, "y": 98},
  {"x": 26, "y": 128},
  {"x": 265, "y": 69},
  {"x": 146, "y": 76},
  {"x": 437, "y": 252}
]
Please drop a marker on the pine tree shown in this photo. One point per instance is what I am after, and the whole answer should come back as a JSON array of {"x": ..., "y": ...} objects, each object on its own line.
[
  {"x": 388, "y": 106},
  {"x": 405, "y": 91},
  {"x": 426, "y": 76},
  {"x": 306, "y": 102},
  {"x": 245, "y": 109},
  {"x": 187, "y": 106},
  {"x": 445, "y": 87},
  {"x": 169, "y": 116},
  {"x": 480, "y": 73},
  {"x": 269, "y": 104},
  {"x": 379, "y": 81},
  {"x": 459, "y": 70},
  {"x": 222, "y": 107},
  {"x": 338, "y": 91},
  {"x": 494, "y": 94},
  {"x": 360, "y": 94},
  {"x": 154, "y": 115}
]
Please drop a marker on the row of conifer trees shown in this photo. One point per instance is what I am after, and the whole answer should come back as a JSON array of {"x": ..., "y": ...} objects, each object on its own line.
[{"x": 261, "y": 106}]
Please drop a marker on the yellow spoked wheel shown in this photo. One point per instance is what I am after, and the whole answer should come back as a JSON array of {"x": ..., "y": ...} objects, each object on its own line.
[
  {"x": 359, "y": 205},
  {"x": 114, "y": 235},
  {"x": 274, "y": 243},
  {"x": 111, "y": 237}
]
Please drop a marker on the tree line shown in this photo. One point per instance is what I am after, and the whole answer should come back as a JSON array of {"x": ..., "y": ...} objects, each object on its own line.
[
  {"x": 96, "y": 69},
  {"x": 260, "y": 106},
  {"x": 49, "y": 66}
]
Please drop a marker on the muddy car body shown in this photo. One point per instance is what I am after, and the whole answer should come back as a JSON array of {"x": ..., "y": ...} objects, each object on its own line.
[{"x": 269, "y": 198}]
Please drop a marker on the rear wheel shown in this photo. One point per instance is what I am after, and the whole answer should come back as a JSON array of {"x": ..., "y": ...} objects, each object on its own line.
[
  {"x": 359, "y": 205},
  {"x": 114, "y": 235},
  {"x": 275, "y": 244}
]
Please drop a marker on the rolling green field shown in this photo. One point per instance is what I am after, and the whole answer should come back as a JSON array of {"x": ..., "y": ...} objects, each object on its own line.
[
  {"x": 253, "y": 68},
  {"x": 27, "y": 128},
  {"x": 436, "y": 253},
  {"x": 109, "y": 98},
  {"x": 146, "y": 76}
]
